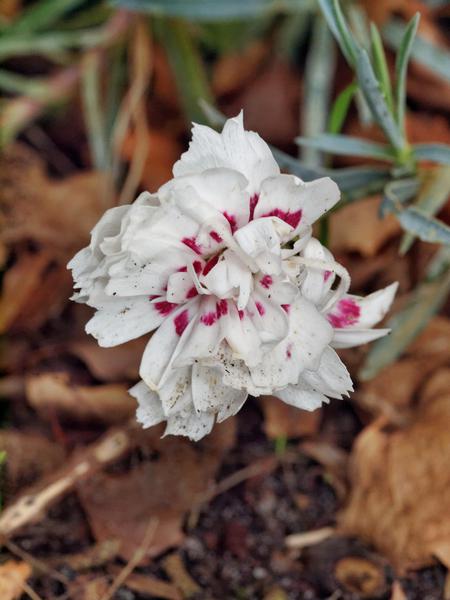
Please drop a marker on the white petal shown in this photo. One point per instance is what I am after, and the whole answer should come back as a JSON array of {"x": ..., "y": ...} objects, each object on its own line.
[
  {"x": 261, "y": 241},
  {"x": 190, "y": 423},
  {"x": 301, "y": 396},
  {"x": 296, "y": 202},
  {"x": 351, "y": 337},
  {"x": 210, "y": 395},
  {"x": 362, "y": 313},
  {"x": 270, "y": 320},
  {"x": 175, "y": 394},
  {"x": 241, "y": 336},
  {"x": 331, "y": 378},
  {"x": 160, "y": 351},
  {"x": 124, "y": 319},
  {"x": 234, "y": 148},
  {"x": 317, "y": 282},
  {"x": 149, "y": 411}
]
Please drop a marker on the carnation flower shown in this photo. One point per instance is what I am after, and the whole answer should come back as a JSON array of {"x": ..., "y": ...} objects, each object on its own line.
[{"x": 221, "y": 265}]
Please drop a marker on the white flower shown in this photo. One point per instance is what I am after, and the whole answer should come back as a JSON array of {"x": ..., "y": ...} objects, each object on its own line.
[{"x": 222, "y": 265}]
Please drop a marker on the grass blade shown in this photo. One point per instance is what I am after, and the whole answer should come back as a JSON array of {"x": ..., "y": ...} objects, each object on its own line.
[
  {"x": 439, "y": 153},
  {"x": 187, "y": 67},
  {"x": 432, "y": 197},
  {"x": 41, "y": 15},
  {"x": 372, "y": 93},
  {"x": 348, "y": 146},
  {"x": 380, "y": 66},
  {"x": 340, "y": 108},
  {"x": 320, "y": 66},
  {"x": 401, "y": 67},
  {"x": 423, "y": 51},
  {"x": 424, "y": 302}
]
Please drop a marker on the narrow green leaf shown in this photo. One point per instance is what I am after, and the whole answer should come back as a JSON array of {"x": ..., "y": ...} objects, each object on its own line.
[
  {"x": 370, "y": 87},
  {"x": 435, "y": 58},
  {"x": 319, "y": 72},
  {"x": 347, "y": 146},
  {"x": 401, "y": 67},
  {"x": 19, "y": 84},
  {"x": 433, "y": 195},
  {"x": 212, "y": 10},
  {"x": 424, "y": 302},
  {"x": 380, "y": 65},
  {"x": 187, "y": 67},
  {"x": 412, "y": 219},
  {"x": 340, "y": 108},
  {"x": 41, "y": 15},
  {"x": 93, "y": 111},
  {"x": 439, "y": 153},
  {"x": 336, "y": 22}
]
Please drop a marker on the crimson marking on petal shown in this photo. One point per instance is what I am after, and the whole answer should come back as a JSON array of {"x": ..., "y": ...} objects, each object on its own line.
[
  {"x": 181, "y": 322},
  {"x": 231, "y": 220},
  {"x": 289, "y": 351},
  {"x": 153, "y": 297},
  {"x": 253, "y": 202},
  {"x": 221, "y": 308},
  {"x": 266, "y": 281},
  {"x": 260, "y": 308},
  {"x": 165, "y": 308},
  {"x": 291, "y": 218},
  {"x": 192, "y": 293},
  {"x": 326, "y": 275},
  {"x": 286, "y": 307},
  {"x": 215, "y": 236},
  {"x": 348, "y": 313},
  {"x": 197, "y": 266},
  {"x": 182, "y": 270},
  {"x": 208, "y": 318},
  {"x": 192, "y": 244},
  {"x": 212, "y": 262},
  {"x": 241, "y": 314}
]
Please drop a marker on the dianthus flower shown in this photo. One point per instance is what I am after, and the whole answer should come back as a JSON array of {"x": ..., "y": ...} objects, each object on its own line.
[{"x": 221, "y": 264}]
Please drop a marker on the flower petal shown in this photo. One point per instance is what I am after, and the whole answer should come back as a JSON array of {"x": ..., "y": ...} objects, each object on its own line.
[
  {"x": 190, "y": 424},
  {"x": 302, "y": 396},
  {"x": 210, "y": 395},
  {"x": 350, "y": 337},
  {"x": 331, "y": 378},
  {"x": 124, "y": 319},
  {"x": 149, "y": 411},
  {"x": 234, "y": 148}
]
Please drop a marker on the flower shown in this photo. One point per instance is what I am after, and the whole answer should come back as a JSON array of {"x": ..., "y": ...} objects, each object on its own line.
[{"x": 222, "y": 266}]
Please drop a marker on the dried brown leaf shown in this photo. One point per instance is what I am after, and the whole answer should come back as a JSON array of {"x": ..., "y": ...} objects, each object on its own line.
[
  {"x": 280, "y": 419},
  {"x": 172, "y": 479},
  {"x": 360, "y": 576},
  {"x": 176, "y": 570},
  {"x": 401, "y": 486},
  {"x": 13, "y": 576},
  {"x": 357, "y": 227},
  {"x": 50, "y": 393}
]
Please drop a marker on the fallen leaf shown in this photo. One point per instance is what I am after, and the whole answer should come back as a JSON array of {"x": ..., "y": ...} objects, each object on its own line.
[
  {"x": 176, "y": 570},
  {"x": 50, "y": 393},
  {"x": 29, "y": 456},
  {"x": 55, "y": 213},
  {"x": 88, "y": 587},
  {"x": 401, "y": 484},
  {"x": 172, "y": 478},
  {"x": 397, "y": 592},
  {"x": 233, "y": 71},
  {"x": 360, "y": 576},
  {"x": 163, "y": 151},
  {"x": 34, "y": 289},
  {"x": 280, "y": 419},
  {"x": 148, "y": 585},
  {"x": 110, "y": 364},
  {"x": 367, "y": 233},
  {"x": 93, "y": 557},
  {"x": 13, "y": 576},
  {"x": 275, "y": 91}
]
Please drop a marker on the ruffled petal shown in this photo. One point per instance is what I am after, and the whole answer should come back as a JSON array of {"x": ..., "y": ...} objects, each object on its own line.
[
  {"x": 190, "y": 424},
  {"x": 210, "y": 395},
  {"x": 260, "y": 240},
  {"x": 234, "y": 148},
  {"x": 149, "y": 411},
  {"x": 124, "y": 319},
  {"x": 302, "y": 396},
  {"x": 331, "y": 378},
  {"x": 349, "y": 338}
]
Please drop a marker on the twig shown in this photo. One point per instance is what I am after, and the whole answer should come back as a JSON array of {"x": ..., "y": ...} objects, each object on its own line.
[
  {"x": 134, "y": 561},
  {"x": 37, "y": 564},
  {"x": 29, "y": 590},
  {"x": 84, "y": 464},
  {"x": 309, "y": 538}
]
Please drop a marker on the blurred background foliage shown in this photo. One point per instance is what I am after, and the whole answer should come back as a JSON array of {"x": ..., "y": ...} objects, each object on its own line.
[{"x": 341, "y": 65}]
